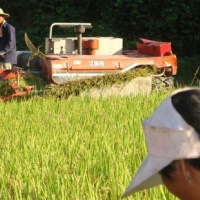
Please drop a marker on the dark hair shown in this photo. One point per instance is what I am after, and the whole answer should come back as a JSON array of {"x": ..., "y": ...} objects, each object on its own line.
[{"x": 187, "y": 104}]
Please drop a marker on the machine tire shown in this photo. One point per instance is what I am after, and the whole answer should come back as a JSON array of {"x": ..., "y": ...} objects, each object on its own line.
[
  {"x": 23, "y": 59},
  {"x": 162, "y": 82}
]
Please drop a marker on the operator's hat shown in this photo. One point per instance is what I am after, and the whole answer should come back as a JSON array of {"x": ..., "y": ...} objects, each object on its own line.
[
  {"x": 168, "y": 138},
  {"x": 2, "y": 13}
]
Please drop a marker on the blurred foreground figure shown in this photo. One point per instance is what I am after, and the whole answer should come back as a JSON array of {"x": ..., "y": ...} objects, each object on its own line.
[{"x": 172, "y": 136}]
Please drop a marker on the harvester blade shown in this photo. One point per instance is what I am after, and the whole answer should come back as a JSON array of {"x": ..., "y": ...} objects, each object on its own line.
[{"x": 35, "y": 51}]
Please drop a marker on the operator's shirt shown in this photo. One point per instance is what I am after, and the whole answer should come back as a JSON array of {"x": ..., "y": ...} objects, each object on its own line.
[
  {"x": 8, "y": 43},
  {"x": 1, "y": 32}
]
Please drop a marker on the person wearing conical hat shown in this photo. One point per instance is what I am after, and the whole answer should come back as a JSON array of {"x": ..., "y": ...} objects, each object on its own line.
[
  {"x": 172, "y": 135},
  {"x": 8, "y": 56}
]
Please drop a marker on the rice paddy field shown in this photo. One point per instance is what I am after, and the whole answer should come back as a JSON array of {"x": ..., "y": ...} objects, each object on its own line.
[{"x": 80, "y": 148}]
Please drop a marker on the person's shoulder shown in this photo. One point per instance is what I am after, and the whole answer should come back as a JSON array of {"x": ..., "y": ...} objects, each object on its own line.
[{"x": 9, "y": 26}]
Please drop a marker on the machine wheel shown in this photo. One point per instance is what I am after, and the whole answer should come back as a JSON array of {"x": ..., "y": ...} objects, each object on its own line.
[
  {"x": 23, "y": 59},
  {"x": 162, "y": 82}
]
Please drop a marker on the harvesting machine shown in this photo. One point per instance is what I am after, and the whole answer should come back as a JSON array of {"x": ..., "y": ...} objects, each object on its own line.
[
  {"x": 71, "y": 58},
  {"x": 10, "y": 84}
]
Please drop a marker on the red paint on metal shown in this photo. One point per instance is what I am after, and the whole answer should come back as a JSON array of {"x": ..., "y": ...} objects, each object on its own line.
[
  {"x": 14, "y": 74},
  {"x": 104, "y": 64},
  {"x": 154, "y": 48}
]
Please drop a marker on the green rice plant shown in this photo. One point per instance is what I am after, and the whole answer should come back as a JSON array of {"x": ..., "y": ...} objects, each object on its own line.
[{"x": 75, "y": 148}]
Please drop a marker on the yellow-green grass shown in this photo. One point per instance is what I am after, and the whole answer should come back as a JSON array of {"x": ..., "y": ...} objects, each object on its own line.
[{"x": 75, "y": 148}]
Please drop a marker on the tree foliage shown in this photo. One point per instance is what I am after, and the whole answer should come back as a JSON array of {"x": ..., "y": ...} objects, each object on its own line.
[{"x": 174, "y": 21}]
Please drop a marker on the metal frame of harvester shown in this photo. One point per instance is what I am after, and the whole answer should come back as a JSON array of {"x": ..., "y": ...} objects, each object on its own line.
[
  {"x": 12, "y": 79},
  {"x": 72, "y": 58}
]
